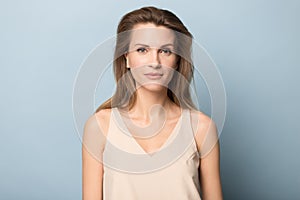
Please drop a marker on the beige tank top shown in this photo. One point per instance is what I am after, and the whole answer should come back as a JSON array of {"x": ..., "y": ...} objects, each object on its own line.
[{"x": 132, "y": 174}]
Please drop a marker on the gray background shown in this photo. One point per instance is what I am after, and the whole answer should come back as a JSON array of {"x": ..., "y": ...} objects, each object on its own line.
[{"x": 255, "y": 45}]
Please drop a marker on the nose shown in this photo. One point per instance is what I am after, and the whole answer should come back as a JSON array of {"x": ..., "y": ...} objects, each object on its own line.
[{"x": 155, "y": 59}]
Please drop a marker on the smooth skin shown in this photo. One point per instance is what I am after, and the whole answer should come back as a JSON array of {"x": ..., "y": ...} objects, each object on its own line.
[{"x": 96, "y": 127}]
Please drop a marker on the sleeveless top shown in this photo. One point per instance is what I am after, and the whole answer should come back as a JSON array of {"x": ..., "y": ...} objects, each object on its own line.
[{"x": 132, "y": 174}]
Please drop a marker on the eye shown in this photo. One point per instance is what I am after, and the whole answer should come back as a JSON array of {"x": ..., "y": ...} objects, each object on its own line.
[
  {"x": 166, "y": 51},
  {"x": 141, "y": 50}
]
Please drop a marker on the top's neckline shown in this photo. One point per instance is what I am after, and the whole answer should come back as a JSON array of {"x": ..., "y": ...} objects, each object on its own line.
[{"x": 170, "y": 138}]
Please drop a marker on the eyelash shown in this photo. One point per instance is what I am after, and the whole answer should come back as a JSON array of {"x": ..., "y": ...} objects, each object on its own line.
[
  {"x": 168, "y": 51},
  {"x": 142, "y": 50}
]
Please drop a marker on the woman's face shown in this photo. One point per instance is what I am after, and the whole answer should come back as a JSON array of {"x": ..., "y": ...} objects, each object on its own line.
[{"x": 151, "y": 56}]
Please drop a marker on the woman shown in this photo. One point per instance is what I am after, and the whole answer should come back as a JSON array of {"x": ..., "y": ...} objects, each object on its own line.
[{"x": 153, "y": 71}]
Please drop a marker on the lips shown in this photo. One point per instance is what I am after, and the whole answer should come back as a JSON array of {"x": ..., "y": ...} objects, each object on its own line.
[{"x": 153, "y": 75}]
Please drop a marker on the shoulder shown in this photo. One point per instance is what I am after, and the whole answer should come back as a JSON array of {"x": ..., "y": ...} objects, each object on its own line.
[
  {"x": 204, "y": 129},
  {"x": 201, "y": 121},
  {"x": 95, "y": 129},
  {"x": 95, "y": 132},
  {"x": 100, "y": 119},
  {"x": 97, "y": 120}
]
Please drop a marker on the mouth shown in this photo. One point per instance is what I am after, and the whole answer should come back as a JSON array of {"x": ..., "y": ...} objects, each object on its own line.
[{"x": 153, "y": 76}]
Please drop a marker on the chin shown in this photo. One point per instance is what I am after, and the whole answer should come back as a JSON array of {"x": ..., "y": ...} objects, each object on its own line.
[{"x": 153, "y": 87}]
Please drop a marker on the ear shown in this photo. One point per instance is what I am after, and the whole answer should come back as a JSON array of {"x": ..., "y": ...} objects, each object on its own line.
[{"x": 126, "y": 58}]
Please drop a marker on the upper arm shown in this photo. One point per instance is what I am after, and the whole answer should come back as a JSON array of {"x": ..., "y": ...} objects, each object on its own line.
[
  {"x": 206, "y": 136},
  {"x": 92, "y": 167}
]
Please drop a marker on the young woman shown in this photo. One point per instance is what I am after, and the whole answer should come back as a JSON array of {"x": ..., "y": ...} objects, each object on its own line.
[{"x": 153, "y": 71}]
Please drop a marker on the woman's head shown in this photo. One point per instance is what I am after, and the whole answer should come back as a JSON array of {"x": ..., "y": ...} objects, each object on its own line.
[
  {"x": 150, "y": 56},
  {"x": 169, "y": 37}
]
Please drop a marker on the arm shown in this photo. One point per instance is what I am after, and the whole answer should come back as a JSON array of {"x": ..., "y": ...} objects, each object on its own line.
[
  {"x": 207, "y": 142},
  {"x": 92, "y": 167},
  {"x": 210, "y": 175}
]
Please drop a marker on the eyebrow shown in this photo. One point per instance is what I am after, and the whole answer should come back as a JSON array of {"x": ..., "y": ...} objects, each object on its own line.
[{"x": 145, "y": 45}]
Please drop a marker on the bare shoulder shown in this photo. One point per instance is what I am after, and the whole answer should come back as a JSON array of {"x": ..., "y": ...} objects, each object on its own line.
[
  {"x": 201, "y": 121},
  {"x": 204, "y": 128},
  {"x": 102, "y": 119},
  {"x": 95, "y": 132},
  {"x": 98, "y": 121}
]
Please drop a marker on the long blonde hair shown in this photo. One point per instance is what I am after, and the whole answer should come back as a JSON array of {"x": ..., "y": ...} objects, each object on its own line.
[{"x": 180, "y": 92}]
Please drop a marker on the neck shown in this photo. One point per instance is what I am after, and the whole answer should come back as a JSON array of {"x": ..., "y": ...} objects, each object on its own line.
[{"x": 146, "y": 99}]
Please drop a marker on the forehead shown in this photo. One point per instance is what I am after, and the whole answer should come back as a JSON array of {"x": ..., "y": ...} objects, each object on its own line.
[{"x": 151, "y": 35}]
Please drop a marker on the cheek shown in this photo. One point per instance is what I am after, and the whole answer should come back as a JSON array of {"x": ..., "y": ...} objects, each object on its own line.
[
  {"x": 169, "y": 62},
  {"x": 136, "y": 61},
  {"x": 168, "y": 72}
]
